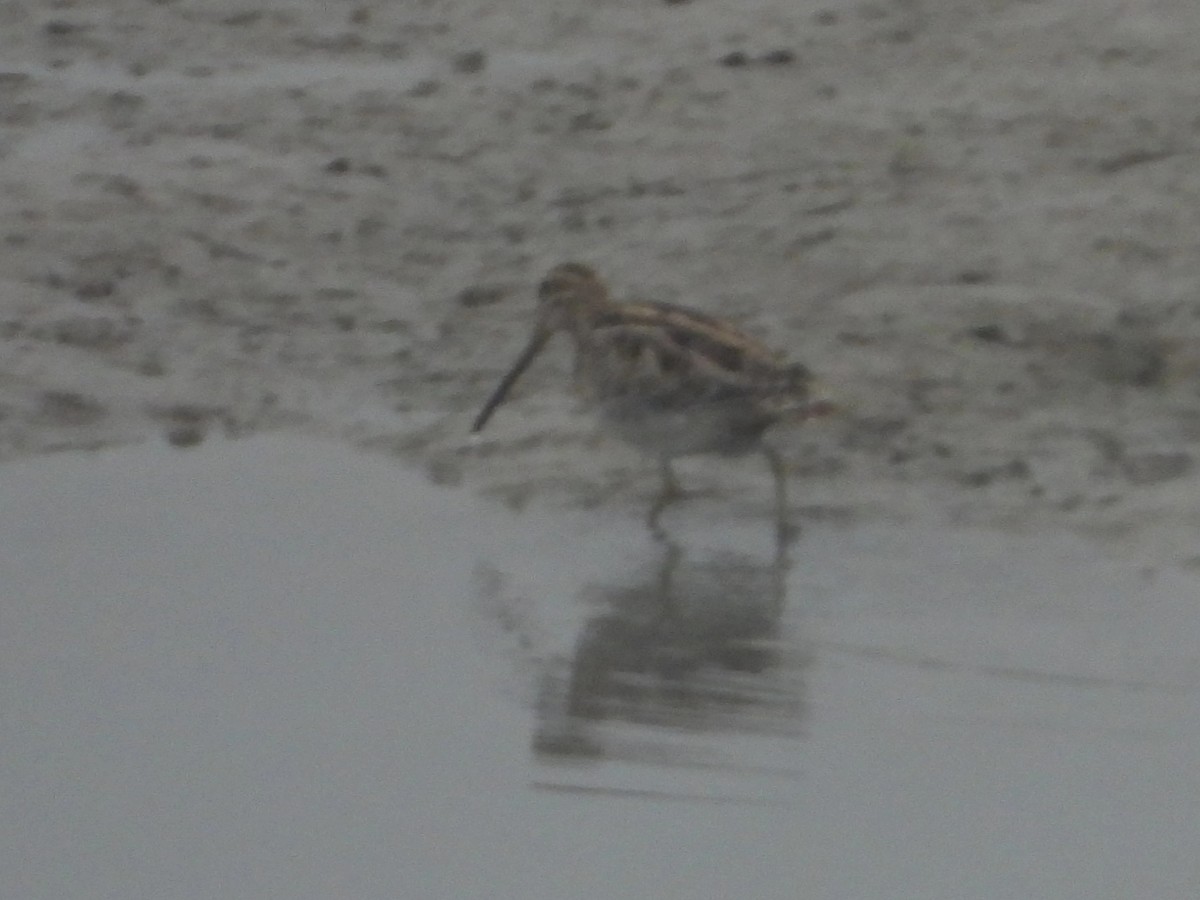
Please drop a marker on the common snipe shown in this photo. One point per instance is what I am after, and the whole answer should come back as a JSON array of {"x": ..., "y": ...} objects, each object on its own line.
[{"x": 667, "y": 379}]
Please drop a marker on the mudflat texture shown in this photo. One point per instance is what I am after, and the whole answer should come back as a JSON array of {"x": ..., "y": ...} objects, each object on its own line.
[{"x": 976, "y": 220}]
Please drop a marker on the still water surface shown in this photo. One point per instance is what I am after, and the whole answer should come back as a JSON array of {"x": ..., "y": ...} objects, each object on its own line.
[{"x": 278, "y": 668}]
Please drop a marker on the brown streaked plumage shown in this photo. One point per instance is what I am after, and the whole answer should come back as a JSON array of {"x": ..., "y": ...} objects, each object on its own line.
[{"x": 667, "y": 379}]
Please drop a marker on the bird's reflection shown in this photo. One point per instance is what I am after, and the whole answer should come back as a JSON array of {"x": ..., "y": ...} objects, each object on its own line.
[{"x": 697, "y": 645}]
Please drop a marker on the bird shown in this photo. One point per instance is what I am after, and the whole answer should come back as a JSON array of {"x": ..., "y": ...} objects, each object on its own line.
[{"x": 668, "y": 379}]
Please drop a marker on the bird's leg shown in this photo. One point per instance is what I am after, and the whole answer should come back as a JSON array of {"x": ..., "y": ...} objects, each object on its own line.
[
  {"x": 671, "y": 487},
  {"x": 784, "y": 533},
  {"x": 670, "y": 492},
  {"x": 672, "y": 554}
]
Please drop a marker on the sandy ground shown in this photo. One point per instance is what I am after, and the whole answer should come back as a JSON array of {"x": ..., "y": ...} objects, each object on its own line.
[{"x": 976, "y": 220}]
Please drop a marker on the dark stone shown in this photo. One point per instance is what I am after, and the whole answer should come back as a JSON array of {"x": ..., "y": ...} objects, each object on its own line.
[
  {"x": 471, "y": 62},
  {"x": 60, "y": 27},
  {"x": 989, "y": 334},
  {"x": 782, "y": 57},
  {"x": 481, "y": 295},
  {"x": 95, "y": 290}
]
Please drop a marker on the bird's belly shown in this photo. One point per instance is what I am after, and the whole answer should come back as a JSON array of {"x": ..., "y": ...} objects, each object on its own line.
[{"x": 721, "y": 428}]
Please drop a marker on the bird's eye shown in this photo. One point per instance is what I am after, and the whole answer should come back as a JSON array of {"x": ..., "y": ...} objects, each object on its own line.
[
  {"x": 554, "y": 289},
  {"x": 671, "y": 363}
]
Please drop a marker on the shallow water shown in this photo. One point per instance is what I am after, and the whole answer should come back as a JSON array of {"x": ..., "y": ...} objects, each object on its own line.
[{"x": 280, "y": 668}]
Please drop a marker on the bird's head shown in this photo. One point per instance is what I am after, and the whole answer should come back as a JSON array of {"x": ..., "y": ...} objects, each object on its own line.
[{"x": 567, "y": 296}]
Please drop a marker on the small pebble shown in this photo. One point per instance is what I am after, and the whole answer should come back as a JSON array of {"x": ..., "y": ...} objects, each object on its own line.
[
  {"x": 185, "y": 435},
  {"x": 481, "y": 295},
  {"x": 782, "y": 57},
  {"x": 59, "y": 27},
  {"x": 989, "y": 334},
  {"x": 471, "y": 62}
]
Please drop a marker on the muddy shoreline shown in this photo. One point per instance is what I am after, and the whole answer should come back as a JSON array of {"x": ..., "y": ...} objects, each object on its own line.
[{"x": 975, "y": 224}]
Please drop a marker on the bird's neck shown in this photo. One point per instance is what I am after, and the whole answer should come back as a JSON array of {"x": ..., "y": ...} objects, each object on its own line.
[{"x": 585, "y": 315}]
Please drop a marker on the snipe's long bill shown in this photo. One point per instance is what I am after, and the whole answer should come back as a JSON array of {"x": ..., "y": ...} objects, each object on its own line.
[{"x": 667, "y": 379}]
